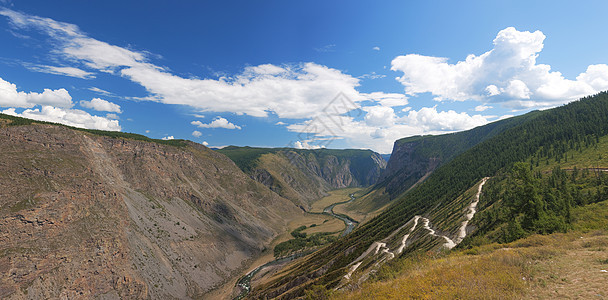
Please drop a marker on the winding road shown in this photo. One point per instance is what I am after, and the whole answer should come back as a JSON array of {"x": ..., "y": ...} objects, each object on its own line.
[{"x": 381, "y": 246}]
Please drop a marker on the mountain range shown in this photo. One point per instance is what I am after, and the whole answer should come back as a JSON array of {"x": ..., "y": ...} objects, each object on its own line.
[{"x": 95, "y": 214}]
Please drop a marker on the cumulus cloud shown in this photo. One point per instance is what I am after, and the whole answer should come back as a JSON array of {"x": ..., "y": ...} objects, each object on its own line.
[
  {"x": 197, "y": 133},
  {"x": 290, "y": 91},
  {"x": 305, "y": 145},
  {"x": 322, "y": 98},
  {"x": 55, "y": 106},
  {"x": 380, "y": 127},
  {"x": 167, "y": 138},
  {"x": 376, "y": 48},
  {"x": 432, "y": 120},
  {"x": 101, "y": 105},
  {"x": 71, "y": 117},
  {"x": 10, "y": 97},
  {"x": 205, "y": 143},
  {"x": 379, "y": 116},
  {"x": 218, "y": 122},
  {"x": 507, "y": 74}
]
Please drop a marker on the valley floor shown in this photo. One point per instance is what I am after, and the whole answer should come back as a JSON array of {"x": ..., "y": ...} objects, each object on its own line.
[{"x": 322, "y": 223}]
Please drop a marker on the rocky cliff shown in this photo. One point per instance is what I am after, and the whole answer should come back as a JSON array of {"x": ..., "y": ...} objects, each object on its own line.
[
  {"x": 306, "y": 175},
  {"x": 91, "y": 216}
]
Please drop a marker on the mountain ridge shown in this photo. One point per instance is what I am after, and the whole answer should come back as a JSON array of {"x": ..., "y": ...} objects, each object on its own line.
[
  {"x": 88, "y": 215},
  {"x": 303, "y": 175},
  {"x": 554, "y": 130}
]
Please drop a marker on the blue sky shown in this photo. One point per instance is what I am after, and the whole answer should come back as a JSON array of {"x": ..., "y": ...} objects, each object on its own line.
[{"x": 338, "y": 74}]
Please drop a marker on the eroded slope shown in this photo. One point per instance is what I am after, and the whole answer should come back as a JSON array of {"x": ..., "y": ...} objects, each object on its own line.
[{"x": 87, "y": 216}]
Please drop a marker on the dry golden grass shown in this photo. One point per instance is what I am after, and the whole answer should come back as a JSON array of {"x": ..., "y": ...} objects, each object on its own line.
[
  {"x": 332, "y": 225},
  {"x": 565, "y": 266},
  {"x": 335, "y": 196},
  {"x": 496, "y": 276}
]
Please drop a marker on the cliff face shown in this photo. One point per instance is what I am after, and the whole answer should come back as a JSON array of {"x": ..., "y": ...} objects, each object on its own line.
[
  {"x": 85, "y": 216},
  {"x": 406, "y": 167},
  {"x": 306, "y": 175}
]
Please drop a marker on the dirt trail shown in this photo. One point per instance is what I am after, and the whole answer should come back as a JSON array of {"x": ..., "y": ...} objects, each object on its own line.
[
  {"x": 462, "y": 231},
  {"x": 381, "y": 246}
]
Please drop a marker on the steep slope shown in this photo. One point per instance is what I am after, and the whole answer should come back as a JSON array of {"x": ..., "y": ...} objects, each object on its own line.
[
  {"x": 86, "y": 215},
  {"x": 547, "y": 135},
  {"x": 306, "y": 175},
  {"x": 414, "y": 158}
]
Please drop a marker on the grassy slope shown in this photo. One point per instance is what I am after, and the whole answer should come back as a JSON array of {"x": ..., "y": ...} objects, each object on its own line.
[
  {"x": 538, "y": 267},
  {"x": 558, "y": 265},
  {"x": 442, "y": 147},
  {"x": 335, "y": 196}
]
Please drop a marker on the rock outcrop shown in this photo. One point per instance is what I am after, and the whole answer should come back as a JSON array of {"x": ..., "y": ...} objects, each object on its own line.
[{"x": 90, "y": 216}]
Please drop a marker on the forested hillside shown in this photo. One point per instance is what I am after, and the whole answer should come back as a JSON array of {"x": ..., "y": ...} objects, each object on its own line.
[
  {"x": 510, "y": 157},
  {"x": 414, "y": 158}
]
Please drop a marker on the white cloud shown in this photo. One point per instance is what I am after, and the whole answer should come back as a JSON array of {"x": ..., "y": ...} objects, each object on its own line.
[
  {"x": 387, "y": 99},
  {"x": 372, "y": 75},
  {"x": 10, "y": 97},
  {"x": 167, "y": 138},
  {"x": 323, "y": 98},
  {"x": 100, "y": 91},
  {"x": 290, "y": 91},
  {"x": 197, "y": 133},
  {"x": 205, "y": 143},
  {"x": 71, "y": 117},
  {"x": 326, "y": 48},
  {"x": 482, "y": 107},
  {"x": 65, "y": 71},
  {"x": 507, "y": 74},
  {"x": 380, "y": 127},
  {"x": 376, "y": 48},
  {"x": 379, "y": 116},
  {"x": 218, "y": 122},
  {"x": 280, "y": 123},
  {"x": 305, "y": 145},
  {"x": 430, "y": 119},
  {"x": 112, "y": 116},
  {"x": 101, "y": 105}
]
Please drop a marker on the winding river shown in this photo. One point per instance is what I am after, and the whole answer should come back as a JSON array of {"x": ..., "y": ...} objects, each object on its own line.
[
  {"x": 245, "y": 282},
  {"x": 350, "y": 223}
]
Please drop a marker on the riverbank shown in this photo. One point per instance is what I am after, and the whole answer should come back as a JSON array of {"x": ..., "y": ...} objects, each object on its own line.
[{"x": 244, "y": 282}]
